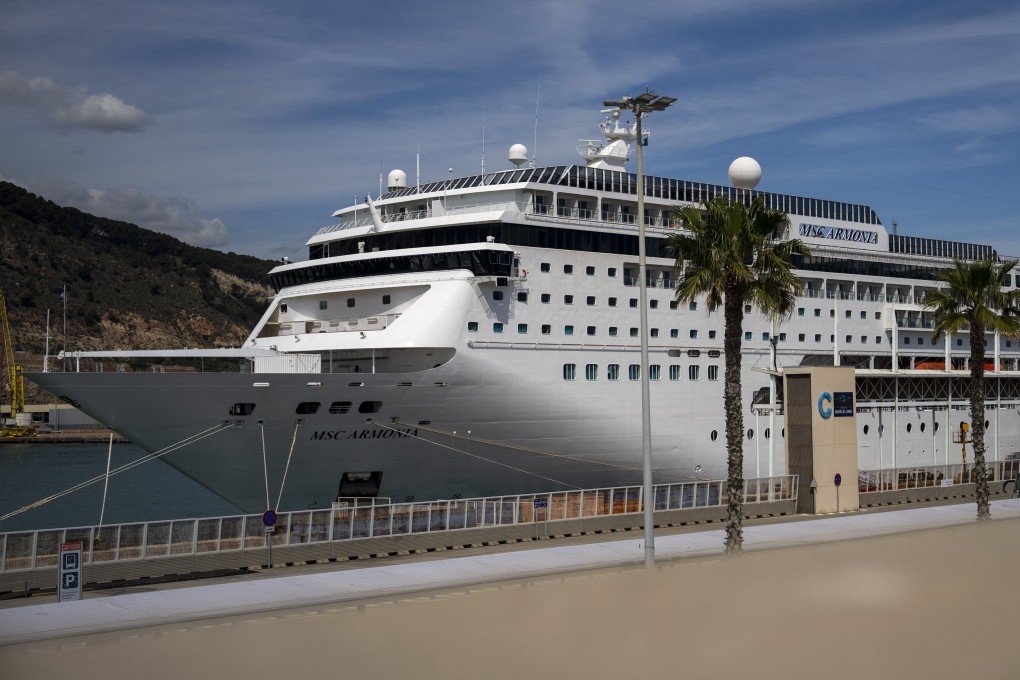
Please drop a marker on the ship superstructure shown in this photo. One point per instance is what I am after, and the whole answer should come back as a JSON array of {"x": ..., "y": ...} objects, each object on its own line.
[{"x": 479, "y": 335}]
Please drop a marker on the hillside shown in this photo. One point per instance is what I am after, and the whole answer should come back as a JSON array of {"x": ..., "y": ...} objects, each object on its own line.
[{"x": 127, "y": 287}]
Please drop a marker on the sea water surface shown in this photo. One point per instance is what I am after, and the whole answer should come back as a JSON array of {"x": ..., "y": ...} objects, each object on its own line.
[{"x": 30, "y": 472}]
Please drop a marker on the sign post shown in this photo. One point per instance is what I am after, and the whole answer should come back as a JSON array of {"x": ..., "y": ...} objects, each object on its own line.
[
  {"x": 269, "y": 520},
  {"x": 837, "y": 480},
  {"x": 70, "y": 572}
]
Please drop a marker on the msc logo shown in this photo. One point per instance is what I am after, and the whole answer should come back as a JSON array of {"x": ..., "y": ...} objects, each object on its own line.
[{"x": 825, "y": 404}]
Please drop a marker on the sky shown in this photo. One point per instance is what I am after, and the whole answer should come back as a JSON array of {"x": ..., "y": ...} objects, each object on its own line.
[{"x": 243, "y": 125}]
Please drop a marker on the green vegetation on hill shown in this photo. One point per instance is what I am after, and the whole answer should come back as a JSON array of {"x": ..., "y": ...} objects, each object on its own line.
[{"x": 127, "y": 287}]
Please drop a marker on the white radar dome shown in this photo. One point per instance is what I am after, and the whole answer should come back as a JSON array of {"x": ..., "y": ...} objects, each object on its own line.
[
  {"x": 397, "y": 179},
  {"x": 745, "y": 173},
  {"x": 518, "y": 154}
]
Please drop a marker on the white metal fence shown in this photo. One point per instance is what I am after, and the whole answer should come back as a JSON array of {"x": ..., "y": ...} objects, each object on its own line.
[{"x": 351, "y": 521}]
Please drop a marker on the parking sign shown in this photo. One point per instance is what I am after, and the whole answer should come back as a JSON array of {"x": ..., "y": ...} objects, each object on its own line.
[{"x": 70, "y": 573}]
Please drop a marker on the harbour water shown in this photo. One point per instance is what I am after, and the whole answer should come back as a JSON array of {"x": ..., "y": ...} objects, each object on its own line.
[{"x": 153, "y": 490}]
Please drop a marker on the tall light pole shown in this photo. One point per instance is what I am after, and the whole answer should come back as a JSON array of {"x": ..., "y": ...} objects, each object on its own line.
[{"x": 640, "y": 105}]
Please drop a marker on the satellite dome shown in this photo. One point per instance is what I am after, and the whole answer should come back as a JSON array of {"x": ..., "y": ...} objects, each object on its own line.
[
  {"x": 518, "y": 154},
  {"x": 745, "y": 173},
  {"x": 397, "y": 179}
]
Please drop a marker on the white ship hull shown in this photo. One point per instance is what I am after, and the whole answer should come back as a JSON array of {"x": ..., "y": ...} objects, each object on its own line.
[{"x": 477, "y": 337}]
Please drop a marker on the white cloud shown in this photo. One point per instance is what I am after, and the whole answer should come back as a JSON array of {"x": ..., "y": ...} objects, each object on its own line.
[
  {"x": 65, "y": 107},
  {"x": 174, "y": 216}
]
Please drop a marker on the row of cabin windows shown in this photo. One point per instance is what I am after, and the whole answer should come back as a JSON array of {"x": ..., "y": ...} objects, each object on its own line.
[
  {"x": 614, "y": 331},
  {"x": 591, "y": 372},
  {"x": 832, "y": 313},
  {"x": 324, "y": 304},
  {"x": 311, "y": 407},
  {"x": 545, "y": 267},
  {"x": 591, "y": 300}
]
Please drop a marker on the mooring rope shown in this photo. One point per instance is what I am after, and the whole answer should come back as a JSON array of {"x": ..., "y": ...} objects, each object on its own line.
[
  {"x": 283, "y": 481},
  {"x": 123, "y": 468}
]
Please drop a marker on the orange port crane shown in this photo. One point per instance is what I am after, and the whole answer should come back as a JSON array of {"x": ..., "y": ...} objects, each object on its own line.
[{"x": 12, "y": 374}]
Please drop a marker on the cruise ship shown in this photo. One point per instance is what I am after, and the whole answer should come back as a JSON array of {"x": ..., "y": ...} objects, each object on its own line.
[{"x": 479, "y": 336}]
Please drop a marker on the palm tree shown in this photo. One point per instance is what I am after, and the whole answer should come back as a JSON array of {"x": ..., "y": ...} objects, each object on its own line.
[
  {"x": 973, "y": 298},
  {"x": 732, "y": 254}
]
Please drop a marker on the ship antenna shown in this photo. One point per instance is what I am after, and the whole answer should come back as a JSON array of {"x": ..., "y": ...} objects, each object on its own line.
[
  {"x": 483, "y": 146},
  {"x": 534, "y": 148}
]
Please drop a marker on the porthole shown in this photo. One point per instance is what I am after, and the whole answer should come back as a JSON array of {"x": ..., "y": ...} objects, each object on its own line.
[
  {"x": 750, "y": 434},
  {"x": 935, "y": 427},
  {"x": 768, "y": 433},
  {"x": 909, "y": 427},
  {"x": 866, "y": 429},
  {"x": 714, "y": 435},
  {"x": 782, "y": 433},
  {"x": 986, "y": 424},
  {"x": 922, "y": 427}
]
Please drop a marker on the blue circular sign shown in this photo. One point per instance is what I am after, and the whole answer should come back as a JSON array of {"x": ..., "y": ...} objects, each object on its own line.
[
  {"x": 838, "y": 479},
  {"x": 269, "y": 518}
]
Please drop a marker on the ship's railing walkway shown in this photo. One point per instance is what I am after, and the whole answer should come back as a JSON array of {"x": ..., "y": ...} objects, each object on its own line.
[
  {"x": 946, "y": 475},
  {"x": 350, "y": 521}
]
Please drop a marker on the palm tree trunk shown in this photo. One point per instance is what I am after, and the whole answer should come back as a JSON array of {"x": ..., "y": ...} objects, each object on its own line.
[
  {"x": 734, "y": 321},
  {"x": 976, "y": 392}
]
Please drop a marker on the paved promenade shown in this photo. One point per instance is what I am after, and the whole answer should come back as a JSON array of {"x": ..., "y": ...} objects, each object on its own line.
[{"x": 270, "y": 591}]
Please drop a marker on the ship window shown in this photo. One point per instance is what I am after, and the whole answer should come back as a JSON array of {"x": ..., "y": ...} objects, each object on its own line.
[
  {"x": 694, "y": 353},
  {"x": 747, "y": 309},
  {"x": 800, "y": 311},
  {"x": 590, "y": 271},
  {"x": 522, "y": 328},
  {"x": 849, "y": 339},
  {"x": 693, "y": 306},
  {"x": 878, "y": 339},
  {"x": 832, "y": 313},
  {"x": 546, "y": 298},
  {"x": 612, "y": 271},
  {"x": 849, "y": 314},
  {"x": 818, "y": 337},
  {"x": 633, "y": 302},
  {"x": 568, "y": 330},
  {"x": 674, "y": 371},
  {"x": 673, "y": 304},
  {"x": 386, "y": 299},
  {"x": 568, "y": 269},
  {"x": 472, "y": 326},
  {"x": 878, "y": 315},
  {"x": 711, "y": 334},
  {"x": 906, "y": 340},
  {"x": 613, "y": 371},
  {"x": 800, "y": 337},
  {"x": 340, "y": 407},
  {"x": 613, "y": 330},
  {"x": 654, "y": 304},
  {"x": 920, "y": 341},
  {"x": 369, "y": 407},
  {"x": 591, "y": 330},
  {"x": 546, "y": 329},
  {"x": 307, "y": 407},
  {"x": 569, "y": 371},
  {"x": 522, "y": 296},
  {"x": 633, "y": 332},
  {"x": 747, "y": 335},
  {"x": 350, "y": 303},
  {"x": 909, "y": 427},
  {"x": 818, "y": 312},
  {"x": 694, "y": 333},
  {"x": 591, "y": 372},
  {"x": 714, "y": 435},
  {"x": 750, "y": 434},
  {"x": 241, "y": 409},
  {"x": 497, "y": 295},
  {"x": 655, "y": 372},
  {"x": 782, "y": 337},
  {"x": 591, "y": 300},
  {"x": 765, "y": 337},
  {"x": 568, "y": 299},
  {"x": 864, "y": 314},
  {"x": 693, "y": 372},
  {"x": 497, "y": 327},
  {"x": 922, "y": 427},
  {"x": 959, "y": 342},
  {"x": 713, "y": 372},
  {"x": 323, "y": 304},
  {"x": 283, "y": 308},
  {"x": 864, "y": 339},
  {"x": 768, "y": 433},
  {"x": 545, "y": 267},
  {"x": 655, "y": 332},
  {"x": 612, "y": 302},
  {"x": 674, "y": 332},
  {"x": 634, "y": 372}
]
